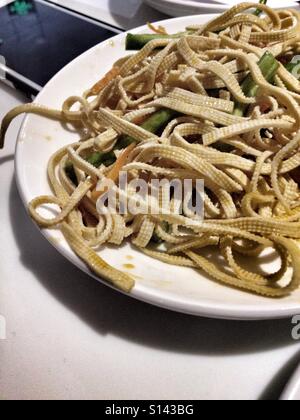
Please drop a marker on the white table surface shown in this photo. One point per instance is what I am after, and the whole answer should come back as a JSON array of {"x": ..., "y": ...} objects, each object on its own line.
[{"x": 69, "y": 337}]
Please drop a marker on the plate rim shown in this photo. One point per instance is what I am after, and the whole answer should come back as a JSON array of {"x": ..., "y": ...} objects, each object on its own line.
[
  {"x": 218, "y": 6},
  {"x": 188, "y": 6},
  {"x": 242, "y": 312},
  {"x": 292, "y": 387}
]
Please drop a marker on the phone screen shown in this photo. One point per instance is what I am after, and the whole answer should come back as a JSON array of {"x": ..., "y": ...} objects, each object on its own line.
[{"x": 38, "y": 39}]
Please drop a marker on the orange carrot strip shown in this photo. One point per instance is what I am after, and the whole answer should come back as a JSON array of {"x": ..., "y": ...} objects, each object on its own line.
[
  {"x": 160, "y": 30},
  {"x": 114, "y": 173},
  {"x": 111, "y": 75}
]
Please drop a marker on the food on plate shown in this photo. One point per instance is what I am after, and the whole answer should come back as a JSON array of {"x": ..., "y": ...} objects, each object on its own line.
[{"x": 218, "y": 102}]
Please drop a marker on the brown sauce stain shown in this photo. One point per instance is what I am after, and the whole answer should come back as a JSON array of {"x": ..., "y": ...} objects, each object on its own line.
[{"x": 129, "y": 266}]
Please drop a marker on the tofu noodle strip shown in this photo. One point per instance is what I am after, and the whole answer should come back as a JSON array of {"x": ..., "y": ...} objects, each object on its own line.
[{"x": 218, "y": 102}]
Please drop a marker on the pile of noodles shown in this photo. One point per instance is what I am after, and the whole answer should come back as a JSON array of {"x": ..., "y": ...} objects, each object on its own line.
[{"x": 252, "y": 197}]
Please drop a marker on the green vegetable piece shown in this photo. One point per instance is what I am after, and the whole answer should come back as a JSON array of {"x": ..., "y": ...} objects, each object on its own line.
[
  {"x": 153, "y": 124},
  {"x": 269, "y": 67},
  {"x": 294, "y": 67},
  {"x": 98, "y": 158},
  {"x": 137, "y": 42},
  {"x": 258, "y": 11}
]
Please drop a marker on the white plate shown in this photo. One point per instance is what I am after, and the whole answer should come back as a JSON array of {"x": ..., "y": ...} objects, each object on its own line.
[
  {"x": 189, "y": 7},
  {"x": 292, "y": 391},
  {"x": 179, "y": 289},
  {"x": 271, "y": 3}
]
